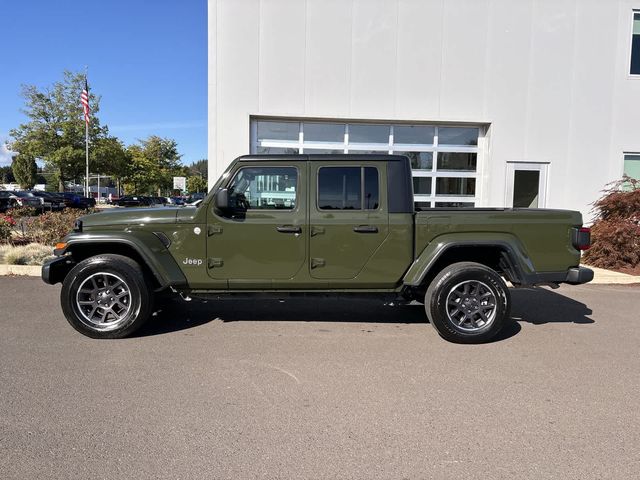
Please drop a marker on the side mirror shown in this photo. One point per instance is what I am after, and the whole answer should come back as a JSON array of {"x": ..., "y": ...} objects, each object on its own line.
[{"x": 222, "y": 199}]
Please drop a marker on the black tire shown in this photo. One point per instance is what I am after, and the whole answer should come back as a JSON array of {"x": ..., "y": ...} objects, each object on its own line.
[
  {"x": 111, "y": 286},
  {"x": 458, "y": 303}
]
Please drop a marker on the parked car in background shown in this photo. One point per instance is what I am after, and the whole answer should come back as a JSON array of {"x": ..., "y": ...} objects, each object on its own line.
[
  {"x": 176, "y": 200},
  {"x": 133, "y": 201},
  {"x": 195, "y": 196},
  {"x": 7, "y": 200},
  {"x": 158, "y": 200},
  {"x": 28, "y": 199},
  {"x": 51, "y": 201},
  {"x": 73, "y": 200}
]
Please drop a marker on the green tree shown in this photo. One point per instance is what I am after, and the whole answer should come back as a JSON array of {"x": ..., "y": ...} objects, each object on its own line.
[
  {"x": 25, "y": 170},
  {"x": 196, "y": 184},
  {"x": 199, "y": 167},
  {"x": 153, "y": 163},
  {"x": 111, "y": 158},
  {"x": 6, "y": 175},
  {"x": 55, "y": 130}
]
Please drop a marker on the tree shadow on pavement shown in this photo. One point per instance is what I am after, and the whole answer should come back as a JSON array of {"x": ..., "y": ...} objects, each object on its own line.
[{"x": 535, "y": 306}]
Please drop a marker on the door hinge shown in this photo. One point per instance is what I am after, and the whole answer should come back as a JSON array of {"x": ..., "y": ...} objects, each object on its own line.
[
  {"x": 317, "y": 262},
  {"x": 213, "y": 230},
  {"x": 316, "y": 231},
  {"x": 214, "y": 262}
]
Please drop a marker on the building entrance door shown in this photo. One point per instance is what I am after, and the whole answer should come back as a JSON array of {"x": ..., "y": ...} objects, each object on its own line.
[{"x": 526, "y": 185}]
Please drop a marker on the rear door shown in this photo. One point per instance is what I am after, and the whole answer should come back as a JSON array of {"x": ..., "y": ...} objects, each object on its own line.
[{"x": 347, "y": 219}]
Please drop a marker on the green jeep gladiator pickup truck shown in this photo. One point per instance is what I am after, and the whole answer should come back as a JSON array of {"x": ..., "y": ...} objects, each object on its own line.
[{"x": 315, "y": 224}]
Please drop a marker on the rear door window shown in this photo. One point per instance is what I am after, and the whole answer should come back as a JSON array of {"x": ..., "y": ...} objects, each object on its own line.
[{"x": 348, "y": 188}]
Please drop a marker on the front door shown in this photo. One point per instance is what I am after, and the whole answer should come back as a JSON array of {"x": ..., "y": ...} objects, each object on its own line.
[
  {"x": 268, "y": 240},
  {"x": 347, "y": 220},
  {"x": 526, "y": 185}
]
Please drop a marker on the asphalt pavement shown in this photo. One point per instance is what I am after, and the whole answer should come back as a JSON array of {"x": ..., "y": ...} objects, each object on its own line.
[{"x": 322, "y": 389}]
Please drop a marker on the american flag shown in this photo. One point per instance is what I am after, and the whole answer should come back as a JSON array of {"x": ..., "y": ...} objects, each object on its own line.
[{"x": 84, "y": 99}]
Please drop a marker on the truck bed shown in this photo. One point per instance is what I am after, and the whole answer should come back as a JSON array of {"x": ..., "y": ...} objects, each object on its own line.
[{"x": 548, "y": 248}]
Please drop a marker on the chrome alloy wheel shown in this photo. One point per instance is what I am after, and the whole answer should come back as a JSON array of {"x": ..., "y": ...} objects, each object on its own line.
[
  {"x": 103, "y": 301},
  {"x": 471, "y": 305}
]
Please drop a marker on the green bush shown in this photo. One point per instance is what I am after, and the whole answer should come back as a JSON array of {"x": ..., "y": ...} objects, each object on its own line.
[
  {"x": 6, "y": 226},
  {"x": 22, "y": 212},
  {"x": 51, "y": 227}
]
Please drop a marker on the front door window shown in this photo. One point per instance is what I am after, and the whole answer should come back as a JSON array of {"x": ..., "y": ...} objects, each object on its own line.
[{"x": 264, "y": 188}]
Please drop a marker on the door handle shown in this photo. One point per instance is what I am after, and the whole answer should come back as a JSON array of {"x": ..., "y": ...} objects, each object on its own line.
[
  {"x": 365, "y": 229},
  {"x": 289, "y": 229}
]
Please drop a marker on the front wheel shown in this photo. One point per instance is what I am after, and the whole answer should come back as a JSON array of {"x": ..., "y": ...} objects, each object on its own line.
[
  {"x": 106, "y": 297},
  {"x": 467, "y": 302}
]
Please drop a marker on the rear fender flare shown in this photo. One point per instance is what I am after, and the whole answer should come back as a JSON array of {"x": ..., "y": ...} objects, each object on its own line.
[{"x": 519, "y": 260}]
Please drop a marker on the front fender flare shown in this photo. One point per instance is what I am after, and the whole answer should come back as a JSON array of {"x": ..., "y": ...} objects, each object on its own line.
[{"x": 156, "y": 257}]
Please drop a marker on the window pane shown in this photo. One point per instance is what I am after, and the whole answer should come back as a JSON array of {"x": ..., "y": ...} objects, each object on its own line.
[
  {"x": 323, "y": 132},
  {"x": 278, "y": 130},
  {"x": 455, "y": 186},
  {"x": 457, "y": 161},
  {"x": 372, "y": 152},
  {"x": 632, "y": 166},
  {"x": 264, "y": 188},
  {"x": 525, "y": 188},
  {"x": 419, "y": 160},
  {"x": 458, "y": 136},
  {"x": 422, "y": 204},
  {"x": 635, "y": 45},
  {"x": 339, "y": 188},
  {"x": 325, "y": 151},
  {"x": 414, "y": 134},
  {"x": 276, "y": 150},
  {"x": 454, "y": 205},
  {"x": 371, "y": 188},
  {"x": 422, "y": 185},
  {"x": 360, "y": 133}
]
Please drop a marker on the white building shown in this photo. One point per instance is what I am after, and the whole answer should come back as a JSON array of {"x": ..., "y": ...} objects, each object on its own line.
[{"x": 490, "y": 98}]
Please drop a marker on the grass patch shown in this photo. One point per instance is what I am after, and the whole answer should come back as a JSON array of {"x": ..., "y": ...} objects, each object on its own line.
[{"x": 32, "y": 254}]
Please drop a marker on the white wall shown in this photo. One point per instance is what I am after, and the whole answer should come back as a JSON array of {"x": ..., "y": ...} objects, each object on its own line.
[{"x": 549, "y": 76}]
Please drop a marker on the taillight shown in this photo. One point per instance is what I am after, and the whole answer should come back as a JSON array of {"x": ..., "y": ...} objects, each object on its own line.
[{"x": 581, "y": 238}]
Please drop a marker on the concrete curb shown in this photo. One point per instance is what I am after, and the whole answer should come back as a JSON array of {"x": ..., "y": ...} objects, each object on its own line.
[
  {"x": 29, "y": 270},
  {"x": 601, "y": 276}
]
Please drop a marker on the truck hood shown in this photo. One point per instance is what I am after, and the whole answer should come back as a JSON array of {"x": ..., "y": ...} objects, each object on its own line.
[{"x": 139, "y": 216}]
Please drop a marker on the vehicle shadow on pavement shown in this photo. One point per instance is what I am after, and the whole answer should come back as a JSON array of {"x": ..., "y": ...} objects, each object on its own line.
[
  {"x": 176, "y": 315},
  {"x": 535, "y": 306},
  {"x": 540, "y": 305}
]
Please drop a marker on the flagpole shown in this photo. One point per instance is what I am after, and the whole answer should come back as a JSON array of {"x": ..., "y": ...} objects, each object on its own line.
[
  {"x": 86, "y": 141},
  {"x": 86, "y": 138}
]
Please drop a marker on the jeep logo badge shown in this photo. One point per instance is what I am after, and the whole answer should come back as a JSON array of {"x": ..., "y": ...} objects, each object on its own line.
[{"x": 192, "y": 261}]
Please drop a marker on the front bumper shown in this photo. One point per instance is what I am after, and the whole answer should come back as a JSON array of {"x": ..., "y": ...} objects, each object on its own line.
[{"x": 54, "y": 270}]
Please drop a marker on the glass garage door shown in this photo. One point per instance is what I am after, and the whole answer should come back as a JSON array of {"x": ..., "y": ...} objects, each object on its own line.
[{"x": 444, "y": 158}]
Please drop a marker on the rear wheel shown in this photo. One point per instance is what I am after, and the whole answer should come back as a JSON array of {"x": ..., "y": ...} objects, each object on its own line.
[
  {"x": 467, "y": 302},
  {"x": 106, "y": 297}
]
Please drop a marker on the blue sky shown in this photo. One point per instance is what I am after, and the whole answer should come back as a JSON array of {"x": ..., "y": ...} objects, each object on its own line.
[{"x": 147, "y": 59}]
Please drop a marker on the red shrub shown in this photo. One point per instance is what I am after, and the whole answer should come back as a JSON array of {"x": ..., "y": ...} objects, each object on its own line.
[{"x": 615, "y": 235}]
